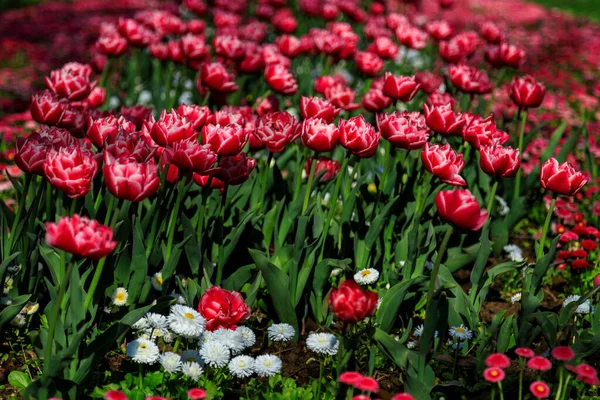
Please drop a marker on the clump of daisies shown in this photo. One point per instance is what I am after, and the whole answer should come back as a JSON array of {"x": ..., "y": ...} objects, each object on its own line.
[
  {"x": 281, "y": 332},
  {"x": 143, "y": 351},
  {"x": 583, "y": 308},
  {"x": 170, "y": 362},
  {"x": 366, "y": 276},
  {"x": 514, "y": 252},
  {"x": 322, "y": 343}
]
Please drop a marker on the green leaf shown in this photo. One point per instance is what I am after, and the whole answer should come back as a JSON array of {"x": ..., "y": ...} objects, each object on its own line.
[
  {"x": 8, "y": 313},
  {"x": 19, "y": 379},
  {"x": 388, "y": 310},
  {"x": 139, "y": 264}
]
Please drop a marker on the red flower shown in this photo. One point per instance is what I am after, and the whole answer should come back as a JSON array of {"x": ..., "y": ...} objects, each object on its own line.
[
  {"x": 482, "y": 132},
  {"x": 586, "y": 371},
  {"x": 115, "y": 395},
  {"x": 216, "y": 77},
  {"x": 342, "y": 96},
  {"x": 228, "y": 46},
  {"x": 280, "y": 79},
  {"x": 412, "y": 37},
  {"x": 47, "y": 108},
  {"x": 440, "y": 99},
  {"x": 170, "y": 128},
  {"x": 491, "y": 32},
  {"x": 439, "y": 30},
  {"x": 319, "y": 136},
  {"x": 202, "y": 180},
  {"x": 194, "y": 47},
  {"x": 367, "y": 384},
  {"x": 385, "y": 48},
  {"x": 350, "y": 377},
  {"x": 80, "y": 236},
  {"x": 275, "y": 130},
  {"x": 358, "y": 136},
  {"x": 444, "y": 163},
  {"x": 316, "y": 107},
  {"x": 70, "y": 170},
  {"x": 130, "y": 180},
  {"x": 331, "y": 168},
  {"x": 235, "y": 170},
  {"x": 375, "y": 100},
  {"x": 196, "y": 394},
  {"x": 198, "y": 115},
  {"x": 497, "y": 360},
  {"x": 190, "y": 155},
  {"x": 350, "y": 303},
  {"x": 222, "y": 308},
  {"x": 289, "y": 45},
  {"x": 322, "y": 83},
  {"x": 589, "y": 245},
  {"x": 101, "y": 128},
  {"x": 226, "y": 140},
  {"x": 31, "y": 153},
  {"x": 369, "y": 63},
  {"x": 469, "y": 79},
  {"x": 561, "y": 179},
  {"x": 493, "y": 374},
  {"x": 524, "y": 352},
  {"x": 72, "y": 81},
  {"x": 499, "y": 161},
  {"x": 442, "y": 119},
  {"x": 400, "y": 87},
  {"x": 111, "y": 45},
  {"x": 403, "y": 396},
  {"x": 526, "y": 92},
  {"x": 403, "y": 129},
  {"x": 460, "y": 208},
  {"x": 511, "y": 55},
  {"x": 429, "y": 81},
  {"x": 563, "y": 353},
  {"x": 539, "y": 363},
  {"x": 539, "y": 390}
]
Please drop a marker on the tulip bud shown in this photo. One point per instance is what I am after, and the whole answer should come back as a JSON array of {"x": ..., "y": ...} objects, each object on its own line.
[
  {"x": 235, "y": 170},
  {"x": 460, "y": 208},
  {"x": 442, "y": 119},
  {"x": 358, "y": 136},
  {"x": 400, "y": 87},
  {"x": 319, "y": 136},
  {"x": 331, "y": 168},
  {"x": 403, "y": 129},
  {"x": 280, "y": 79},
  {"x": 526, "y": 92},
  {"x": 350, "y": 303},
  {"x": 498, "y": 161},
  {"x": 47, "y": 108},
  {"x": 444, "y": 163}
]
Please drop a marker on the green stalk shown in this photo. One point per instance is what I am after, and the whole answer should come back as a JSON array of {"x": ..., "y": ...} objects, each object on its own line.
[
  {"x": 56, "y": 311},
  {"x": 491, "y": 201},
  {"x": 501, "y": 391},
  {"x": 311, "y": 176},
  {"x": 141, "y": 376},
  {"x": 264, "y": 177},
  {"x": 521, "y": 151},
  {"x": 220, "y": 236},
  {"x": 174, "y": 216},
  {"x": 177, "y": 343},
  {"x": 48, "y": 199},
  {"x": 521, "y": 362},
  {"x": 540, "y": 252},
  {"x": 202, "y": 211},
  {"x": 436, "y": 267},
  {"x": 560, "y": 383},
  {"x": 332, "y": 205},
  {"x": 17, "y": 219},
  {"x": 298, "y": 171},
  {"x": 320, "y": 379}
]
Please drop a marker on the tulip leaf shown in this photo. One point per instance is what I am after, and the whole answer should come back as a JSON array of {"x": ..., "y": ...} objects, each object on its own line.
[
  {"x": 393, "y": 298},
  {"x": 139, "y": 264},
  {"x": 9, "y": 312}
]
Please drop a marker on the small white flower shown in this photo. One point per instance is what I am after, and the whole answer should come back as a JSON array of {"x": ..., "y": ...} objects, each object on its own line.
[
  {"x": 335, "y": 272},
  {"x": 241, "y": 366},
  {"x": 215, "y": 354},
  {"x": 179, "y": 298},
  {"x": 583, "y": 308},
  {"x": 157, "y": 281},
  {"x": 460, "y": 332},
  {"x": 18, "y": 321},
  {"x": 267, "y": 365},
  {"x": 191, "y": 356},
  {"x": 145, "y": 97},
  {"x": 231, "y": 339},
  {"x": 281, "y": 332},
  {"x": 114, "y": 102},
  {"x": 141, "y": 324},
  {"x": 167, "y": 336},
  {"x": 418, "y": 331},
  {"x": 514, "y": 252},
  {"x": 206, "y": 337},
  {"x": 186, "y": 321},
  {"x": 5, "y": 301},
  {"x": 8, "y": 285},
  {"x": 119, "y": 296},
  {"x": 170, "y": 362},
  {"x": 366, "y": 276},
  {"x": 247, "y": 335},
  {"x": 515, "y": 298},
  {"x": 192, "y": 370},
  {"x": 143, "y": 351},
  {"x": 411, "y": 344},
  {"x": 322, "y": 343},
  {"x": 503, "y": 208},
  {"x": 156, "y": 321}
]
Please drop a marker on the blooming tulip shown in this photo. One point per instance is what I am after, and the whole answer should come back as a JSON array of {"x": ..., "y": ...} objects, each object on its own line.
[
  {"x": 80, "y": 236},
  {"x": 460, "y": 208}
]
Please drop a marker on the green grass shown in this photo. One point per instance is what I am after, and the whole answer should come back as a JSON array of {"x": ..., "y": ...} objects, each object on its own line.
[{"x": 584, "y": 8}]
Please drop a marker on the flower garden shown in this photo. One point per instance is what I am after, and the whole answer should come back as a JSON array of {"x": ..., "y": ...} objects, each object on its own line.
[{"x": 272, "y": 199}]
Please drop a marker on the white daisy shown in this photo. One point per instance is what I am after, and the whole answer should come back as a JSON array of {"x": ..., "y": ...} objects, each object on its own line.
[
  {"x": 241, "y": 366},
  {"x": 157, "y": 281},
  {"x": 186, "y": 321},
  {"x": 418, "y": 331},
  {"x": 191, "y": 356},
  {"x": 192, "y": 370},
  {"x": 267, "y": 365},
  {"x": 170, "y": 362},
  {"x": 215, "y": 354},
  {"x": 156, "y": 321},
  {"x": 503, "y": 208},
  {"x": 514, "y": 252},
  {"x": 460, "y": 332},
  {"x": 179, "y": 298},
  {"x": 231, "y": 339},
  {"x": 18, "y": 321},
  {"x": 119, "y": 296},
  {"x": 583, "y": 308},
  {"x": 143, "y": 351},
  {"x": 168, "y": 336},
  {"x": 515, "y": 298},
  {"x": 247, "y": 335},
  {"x": 281, "y": 332},
  {"x": 366, "y": 276},
  {"x": 411, "y": 344},
  {"x": 141, "y": 324},
  {"x": 322, "y": 343},
  {"x": 206, "y": 337}
]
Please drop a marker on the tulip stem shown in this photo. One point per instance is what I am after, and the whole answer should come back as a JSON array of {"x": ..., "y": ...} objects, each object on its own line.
[
  {"x": 17, "y": 219},
  {"x": 299, "y": 161},
  {"x": 491, "y": 200},
  {"x": 311, "y": 176},
  {"x": 174, "y": 216},
  {"x": 332, "y": 205},
  {"x": 264, "y": 178},
  {"x": 521, "y": 151},
  {"x": 202, "y": 211},
  {"x": 56, "y": 311},
  {"x": 220, "y": 261},
  {"x": 540, "y": 252},
  {"x": 94, "y": 284},
  {"x": 436, "y": 267}
]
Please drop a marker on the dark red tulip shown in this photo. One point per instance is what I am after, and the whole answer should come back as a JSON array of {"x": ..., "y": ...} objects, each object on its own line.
[
  {"x": 130, "y": 180},
  {"x": 444, "y": 163},
  {"x": 198, "y": 115},
  {"x": 331, "y": 168},
  {"x": 228, "y": 46},
  {"x": 469, "y": 79},
  {"x": 499, "y": 161},
  {"x": 47, "y": 108},
  {"x": 30, "y": 154},
  {"x": 235, "y": 170},
  {"x": 350, "y": 303},
  {"x": 358, "y": 136},
  {"x": 226, "y": 140},
  {"x": 442, "y": 119},
  {"x": 526, "y": 92},
  {"x": 319, "y": 136},
  {"x": 216, "y": 77},
  {"x": 482, "y": 132},
  {"x": 403, "y": 129},
  {"x": 72, "y": 81},
  {"x": 460, "y": 208},
  {"x": 561, "y": 178},
  {"x": 170, "y": 128},
  {"x": 276, "y": 130},
  {"x": 316, "y": 107}
]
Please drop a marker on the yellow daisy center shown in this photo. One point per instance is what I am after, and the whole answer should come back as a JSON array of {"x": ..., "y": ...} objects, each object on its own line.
[
  {"x": 188, "y": 315},
  {"x": 159, "y": 280},
  {"x": 365, "y": 272},
  {"x": 494, "y": 372},
  {"x": 540, "y": 388},
  {"x": 460, "y": 330},
  {"x": 120, "y": 296}
]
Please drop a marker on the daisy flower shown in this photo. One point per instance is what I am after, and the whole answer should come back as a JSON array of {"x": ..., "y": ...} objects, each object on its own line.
[
  {"x": 141, "y": 324},
  {"x": 322, "y": 343},
  {"x": 418, "y": 331},
  {"x": 192, "y": 370},
  {"x": 231, "y": 339},
  {"x": 281, "y": 332},
  {"x": 461, "y": 332},
  {"x": 215, "y": 354},
  {"x": 514, "y": 252},
  {"x": 515, "y": 298},
  {"x": 241, "y": 366},
  {"x": 247, "y": 335},
  {"x": 267, "y": 365},
  {"x": 143, "y": 351},
  {"x": 170, "y": 362},
  {"x": 119, "y": 296},
  {"x": 157, "y": 321},
  {"x": 366, "y": 276},
  {"x": 583, "y": 308},
  {"x": 157, "y": 281},
  {"x": 186, "y": 321},
  {"x": 191, "y": 356}
]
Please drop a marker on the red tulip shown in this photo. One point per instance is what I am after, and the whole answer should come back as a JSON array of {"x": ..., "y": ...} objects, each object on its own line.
[
  {"x": 375, "y": 100},
  {"x": 125, "y": 145},
  {"x": 385, "y": 48},
  {"x": 331, "y": 168},
  {"x": 130, "y": 180},
  {"x": 319, "y": 136},
  {"x": 412, "y": 37},
  {"x": 31, "y": 152},
  {"x": 511, "y": 55},
  {"x": 444, "y": 163},
  {"x": 135, "y": 33},
  {"x": 369, "y": 63},
  {"x": 358, "y": 136},
  {"x": 429, "y": 81},
  {"x": 482, "y": 132},
  {"x": 226, "y": 140},
  {"x": 194, "y": 47},
  {"x": 322, "y": 83},
  {"x": 47, "y": 108},
  {"x": 439, "y": 30},
  {"x": 170, "y": 128},
  {"x": 70, "y": 170},
  {"x": 289, "y": 45},
  {"x": 350, "y": 303},
  {"x": 469, "y": 79},
  {"x": 136, "y": 114},
  {"x": 342, "y": 96},
  {"x": 276, "y": 130},
  {"x": 280, "y": 79},
  {"x": 159, "y": 50},
  {"x": 284, "y": 21},
  {"x": 203, "y": 180},
  {"x": 80, "y": 236},
  {"x": 216, "y": 77},
  {"x": 235, "y": 170},
  {"x": 101, "y": 128},
  {"x": 491, "y": 32},
  {"x": 72, "y": 81},
  {"x": 228, "y": 46},
  {"x": 403, "y": 129},
  {"x": 111, "y": 45},
  {"x": 561, "y": 179},
  {"x": 442, "y": 119},
  {"x": 222, "y": 308},
  {"x": 189, "y": 155},
  {"x": 440, "y": 99},
  {"x": 526, "y": 92},
  {"x": 226, "y": 117},
  {"x": 400, "y": 87},
  {"x": 316, "y": 107},
  {"x": 499, "y": 161},
  {"x": 198, "y": 115},
  {"x": 460, "y": 208}
]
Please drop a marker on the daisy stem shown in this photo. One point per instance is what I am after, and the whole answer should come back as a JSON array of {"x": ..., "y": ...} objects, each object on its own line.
[
  {"x": 493, "y": 393},
  {"x": 566, "y": 387},
  {"x": 176, "y": 346},
  {"x": 540, "y": 252},
  {"x": 521, "y": 362},
  {"x": 141, "y": 376},
  {"x": 311, "y": 176},
  {"x": 501, "y": 391},
  {"x": 521, "y": 150},
  {"x": 320, "y": 379},
  {"x": 560, "y": 383},
  {"x": 436, "y": 267}
]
